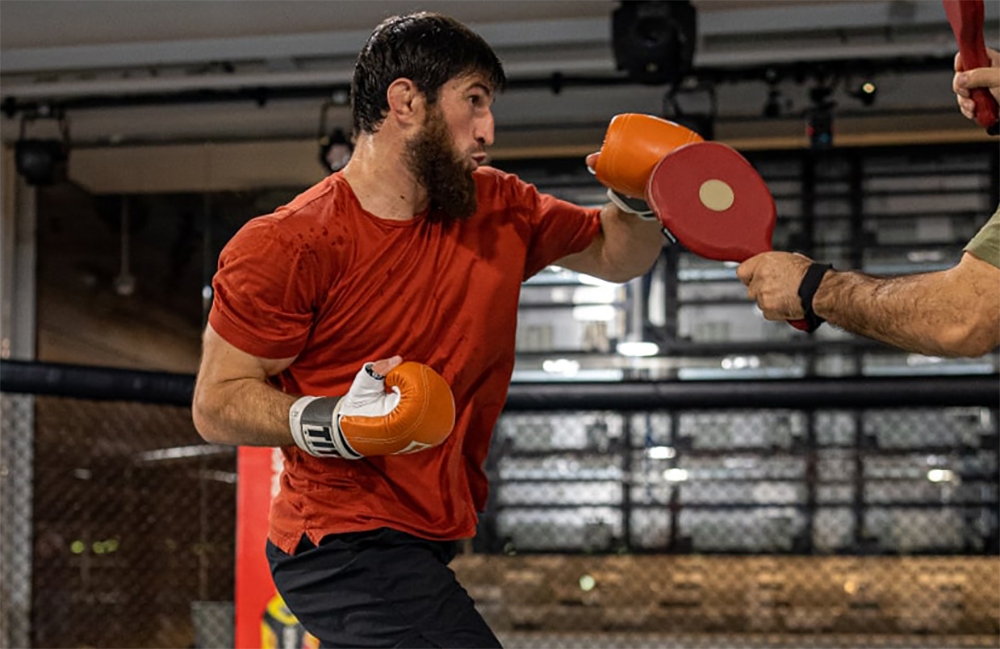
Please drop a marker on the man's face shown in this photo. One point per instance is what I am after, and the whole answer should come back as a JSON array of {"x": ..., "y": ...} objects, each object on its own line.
[{"x": 451, "y": 144}]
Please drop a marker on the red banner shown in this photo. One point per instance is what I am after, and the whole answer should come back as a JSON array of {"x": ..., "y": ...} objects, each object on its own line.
[{"x": 262, "y": 620}]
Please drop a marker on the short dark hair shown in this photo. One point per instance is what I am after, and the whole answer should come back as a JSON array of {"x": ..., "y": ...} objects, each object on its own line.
[{"x": 426, "y": 47}]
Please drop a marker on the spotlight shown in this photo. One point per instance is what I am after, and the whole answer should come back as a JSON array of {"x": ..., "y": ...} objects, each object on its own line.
[
  {"x": 42, "y": 161},
  {"x": 654, "y": 41},
  {"x": 39, "y": 161},
  {"x": 866, "y": 93},
  {"x": 335, "y": 148}
]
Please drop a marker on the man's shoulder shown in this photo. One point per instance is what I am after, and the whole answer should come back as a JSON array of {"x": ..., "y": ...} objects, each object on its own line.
[
  {"x": 317, "y": 197},
  {"x": 301, "y": 212},
  {"x": 499, "y": 188},
  {"x": 492, "y": 177},
  {"x": 314, "y": 203}
]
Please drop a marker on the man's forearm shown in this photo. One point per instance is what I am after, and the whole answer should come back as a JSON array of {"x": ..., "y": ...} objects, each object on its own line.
[
  {"x": 626, "y": 247},
  {"x": 246, "y": 412},
  {"x": 631, "y": 244},
  {"x": 924, "y": 313}
]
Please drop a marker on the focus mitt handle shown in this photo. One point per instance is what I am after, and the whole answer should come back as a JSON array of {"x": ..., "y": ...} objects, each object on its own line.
[{"x": 416, "y": 412}]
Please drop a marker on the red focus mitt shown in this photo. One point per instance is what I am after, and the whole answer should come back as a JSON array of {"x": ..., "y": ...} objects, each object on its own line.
[{"x": 417, "y": 412}]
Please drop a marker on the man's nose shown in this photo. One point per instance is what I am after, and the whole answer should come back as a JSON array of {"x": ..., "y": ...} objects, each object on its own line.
[{"x": 485, "y": 130}]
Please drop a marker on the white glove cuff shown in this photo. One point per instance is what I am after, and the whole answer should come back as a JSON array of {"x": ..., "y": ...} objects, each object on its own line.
[{"x": 635, "y": 206}]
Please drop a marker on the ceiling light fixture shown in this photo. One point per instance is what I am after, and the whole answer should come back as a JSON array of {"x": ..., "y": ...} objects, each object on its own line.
[
  {"x": 42, "y": 161},
  {"x": 335, "y": 148}
]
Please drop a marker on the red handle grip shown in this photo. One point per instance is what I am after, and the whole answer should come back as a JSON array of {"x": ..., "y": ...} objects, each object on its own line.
[{"x": 966, "y": 18}]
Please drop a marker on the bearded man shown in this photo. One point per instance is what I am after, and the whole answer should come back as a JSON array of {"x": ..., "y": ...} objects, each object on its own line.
[{"x": 416, "y": 250}]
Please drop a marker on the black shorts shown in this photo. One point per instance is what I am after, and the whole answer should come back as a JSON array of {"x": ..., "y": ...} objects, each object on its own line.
[{"x": 382, "y": 588}]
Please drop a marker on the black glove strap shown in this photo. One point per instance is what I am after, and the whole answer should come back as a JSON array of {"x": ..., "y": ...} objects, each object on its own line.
[
  {"x": 370, "y": 368},
  {"x": 807, "y": 289}
]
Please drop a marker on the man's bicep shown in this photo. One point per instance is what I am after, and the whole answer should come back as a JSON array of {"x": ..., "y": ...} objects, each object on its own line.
[
  {"x": 222, "y": 361},
  {"x": 233, "y": 404}
]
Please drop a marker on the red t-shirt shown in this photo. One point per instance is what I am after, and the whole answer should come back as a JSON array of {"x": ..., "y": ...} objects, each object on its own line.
[{"x": 325, "y": 281}]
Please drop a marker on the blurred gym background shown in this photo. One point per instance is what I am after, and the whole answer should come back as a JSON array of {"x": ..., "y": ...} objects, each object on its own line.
[{"x": 670, "y": 471}]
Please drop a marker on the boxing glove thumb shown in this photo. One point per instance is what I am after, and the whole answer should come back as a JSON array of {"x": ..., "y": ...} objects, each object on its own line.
[
  {"x": 633, "y": 144},
  {"x": 408, "y": 410}
]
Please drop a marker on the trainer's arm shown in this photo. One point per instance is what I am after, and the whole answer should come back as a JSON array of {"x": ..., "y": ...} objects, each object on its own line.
[
  {"x": 626, "y": 247},
  {"x": 955, "y": 312},
  {"x": 233, "y": 403}
]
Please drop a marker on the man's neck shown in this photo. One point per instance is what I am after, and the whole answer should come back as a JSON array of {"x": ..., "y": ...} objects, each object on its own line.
[{"x": 381, "y": 180}]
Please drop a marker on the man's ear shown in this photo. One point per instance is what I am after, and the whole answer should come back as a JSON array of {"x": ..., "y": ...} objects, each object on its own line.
[{"x": 406, "y": 102}]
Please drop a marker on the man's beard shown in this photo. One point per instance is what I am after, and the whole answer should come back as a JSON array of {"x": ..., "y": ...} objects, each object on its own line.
[{"x": 432, "y": 158}]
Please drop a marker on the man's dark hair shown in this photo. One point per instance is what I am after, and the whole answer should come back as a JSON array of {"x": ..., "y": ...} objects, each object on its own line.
[{"x": 427, "y": 48}]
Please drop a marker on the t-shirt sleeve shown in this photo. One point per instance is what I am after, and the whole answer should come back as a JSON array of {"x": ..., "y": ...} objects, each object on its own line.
[
  {"x": 558, "y": 228},
  {"x": 986, "y": 244},
  {"x": 263, "y": 290}
]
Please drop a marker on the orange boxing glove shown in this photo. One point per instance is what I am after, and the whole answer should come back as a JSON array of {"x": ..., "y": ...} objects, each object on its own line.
[
  {"x": 633, "y": 144},
  {"x": 417, "y": 412}
]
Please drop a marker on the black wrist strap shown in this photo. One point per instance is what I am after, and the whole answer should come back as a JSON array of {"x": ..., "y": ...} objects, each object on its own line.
[
  {"x": 807, "y": 289},
  {"x": 370, "y": 368}
]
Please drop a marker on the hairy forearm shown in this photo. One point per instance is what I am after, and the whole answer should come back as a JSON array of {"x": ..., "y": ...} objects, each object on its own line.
[
  {"x": 927, "y": 313},
  {"x": 246, "y": 411}
]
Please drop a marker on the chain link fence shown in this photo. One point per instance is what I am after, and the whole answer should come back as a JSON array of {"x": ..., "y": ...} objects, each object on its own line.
[
  {"x": 128, "y": 540},
  {"x": 864, "y": 527},
  {"x": 633, "y": 527}
]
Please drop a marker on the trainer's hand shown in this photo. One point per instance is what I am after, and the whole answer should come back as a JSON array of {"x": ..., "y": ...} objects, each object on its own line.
[
  {"x": 772, "y": 280},
  {"x": 965, "y": 80},
  {"x": 407, "y": 409}
]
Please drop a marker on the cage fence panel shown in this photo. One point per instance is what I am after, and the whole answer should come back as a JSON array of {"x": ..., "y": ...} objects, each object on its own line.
[
  {"x": 16, "y": 451},
  {"x": 680, "y": 526},
  {"x": 876, "y": 525},
  {"x": 132, "y": 529}
]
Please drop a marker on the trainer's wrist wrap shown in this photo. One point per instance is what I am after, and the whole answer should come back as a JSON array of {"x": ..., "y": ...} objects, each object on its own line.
[
  {"x": 313, "y": 422},
  {"x": 631, "y": 205},
  {"x": 807, "y": 290}
]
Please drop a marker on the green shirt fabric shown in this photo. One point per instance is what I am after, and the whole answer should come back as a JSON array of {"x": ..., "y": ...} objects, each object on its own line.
[{"x": 986, "y": 244}]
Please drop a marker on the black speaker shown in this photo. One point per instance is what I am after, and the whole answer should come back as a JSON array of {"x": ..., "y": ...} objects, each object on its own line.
[
  {"x": 654, "y": 40},
  {"x": 41, "y": 162}
]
